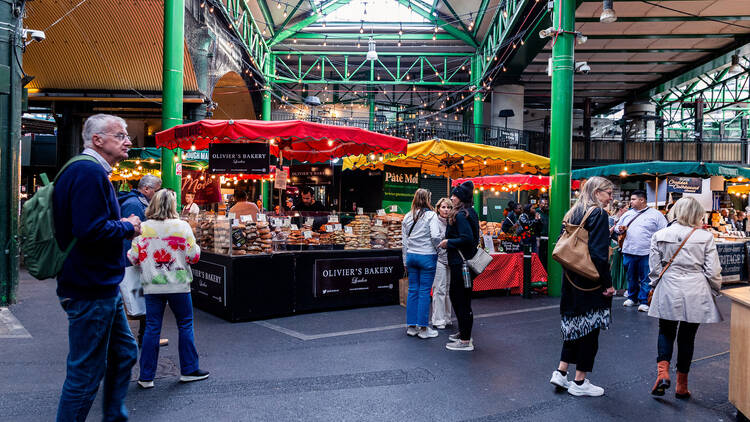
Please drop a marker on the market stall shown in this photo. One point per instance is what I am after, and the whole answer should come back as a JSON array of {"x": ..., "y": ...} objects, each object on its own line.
[
  {"x": 272, "y": 265},
  {"x": 711, "y": 184}
]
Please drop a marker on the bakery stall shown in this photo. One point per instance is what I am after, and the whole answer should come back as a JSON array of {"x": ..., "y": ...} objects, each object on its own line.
[{"x": 280, "y": 264}]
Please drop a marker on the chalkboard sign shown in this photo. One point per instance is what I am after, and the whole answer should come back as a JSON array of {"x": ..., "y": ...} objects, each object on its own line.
[
  {"x": 510, "y": 247},
  {"x": 239, "y": 158},
  {"x": 732, "y": 257}
]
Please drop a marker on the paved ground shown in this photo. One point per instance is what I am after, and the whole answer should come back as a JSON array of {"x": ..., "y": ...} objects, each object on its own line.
[{"x": 353, "y": 365}]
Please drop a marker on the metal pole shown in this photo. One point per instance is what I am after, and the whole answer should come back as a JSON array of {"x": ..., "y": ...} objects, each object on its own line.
[
  {"x": 371, "y": 101},
  {"x": 561, "y": 132},
  {"x": 10, "y": 139},
  {"x": 478, "y": 121},
  {"x": 174, "y": 55},
  {"x": 265, "y": 184}
]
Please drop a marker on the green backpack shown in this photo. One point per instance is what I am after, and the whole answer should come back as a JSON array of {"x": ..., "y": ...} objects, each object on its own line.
[{"x": 42, "y": 255}]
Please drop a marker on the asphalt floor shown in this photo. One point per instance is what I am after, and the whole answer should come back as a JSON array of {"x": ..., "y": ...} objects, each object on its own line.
[{"x": 358, "y": 365}]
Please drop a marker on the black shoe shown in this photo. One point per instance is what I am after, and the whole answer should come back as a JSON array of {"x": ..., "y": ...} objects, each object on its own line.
[{"x": 195, "y": 376}]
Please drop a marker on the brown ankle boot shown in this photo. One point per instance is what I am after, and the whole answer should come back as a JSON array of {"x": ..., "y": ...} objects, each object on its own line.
[
  {"x": 662, "y": 378},
  {"x": 681, "y": 391}
]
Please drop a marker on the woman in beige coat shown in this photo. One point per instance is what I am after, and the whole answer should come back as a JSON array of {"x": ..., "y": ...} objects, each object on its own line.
[{"x": 683, "y": 297}]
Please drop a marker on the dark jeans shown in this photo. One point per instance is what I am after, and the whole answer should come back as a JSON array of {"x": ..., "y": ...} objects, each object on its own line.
[
  {"x": 461, "y": 300},
  {"x": 637, "y": 269},
  {"x": 581, "y": 352},
  {"x": 101, "y": 347},
  {"x": 182, "y": 308},
  {"x": 685, "y": 342}
]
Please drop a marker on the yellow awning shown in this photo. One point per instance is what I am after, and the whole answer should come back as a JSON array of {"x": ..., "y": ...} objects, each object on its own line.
[
  {"x": 738, "y": 189},
  {"x": 441, "y": 157}
]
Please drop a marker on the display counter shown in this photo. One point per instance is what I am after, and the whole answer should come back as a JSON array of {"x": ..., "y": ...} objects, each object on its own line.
[
  {"x": 734, "y": 262},
  {"x": 251, "y": 287}
]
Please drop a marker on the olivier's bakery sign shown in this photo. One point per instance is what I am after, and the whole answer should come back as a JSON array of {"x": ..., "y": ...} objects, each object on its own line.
[
  {"x": 356, "y": 275},
  {"x": 239, "y": 158}
]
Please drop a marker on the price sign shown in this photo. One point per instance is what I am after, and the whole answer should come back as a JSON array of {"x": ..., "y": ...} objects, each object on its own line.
[
  {"x": 275, "y": 221},
  {"x": 307, "y": 234},
  {"x": 309, "y": 221},
  {"x": 378, "y": 222},
  {"x": 360, "y": 211},
  {"x": 381, "y": 212},
  {"x": 333, "y": 218},
  {"x": 394, "y": 208},
  {"x": 294, "y": 227},
  {"x": 329, "y": 228},
  {"x": 261, "y": 217},
  {"x": 246, "y": 218},
  {"x": 348, "y": 230},
  {"x": 286, "y": 222},
  {"x": 232, "y": 216},
  {"x": 337, "y": 227}
]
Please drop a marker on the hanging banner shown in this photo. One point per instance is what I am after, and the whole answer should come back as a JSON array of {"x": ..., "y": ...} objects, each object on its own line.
[
  {"x": 305, "y": 174},
  {"x": 196, "y": 155},
  {"x": 246, "y": 158},
  {"x": 684, "y": 184},
  {"x": 399, "y": 185},
  {"x": 206, "y": 191}
]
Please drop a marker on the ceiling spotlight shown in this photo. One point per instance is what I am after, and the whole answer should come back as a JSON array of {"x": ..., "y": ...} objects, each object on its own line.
[
  {"x": 546, "y": 33},
  {"x": 608, "y": 13},
  {"x": 372, "y": 55},
  {"x": 735, "y": 68}
]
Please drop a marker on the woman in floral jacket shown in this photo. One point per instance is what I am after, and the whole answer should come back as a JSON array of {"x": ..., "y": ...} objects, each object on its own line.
[{"x": 164, "y": 251}]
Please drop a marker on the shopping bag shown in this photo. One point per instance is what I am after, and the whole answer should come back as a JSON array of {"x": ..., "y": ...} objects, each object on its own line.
[
  {"x": 132, "y": 292},
  {"x": 403, "y": 290}
]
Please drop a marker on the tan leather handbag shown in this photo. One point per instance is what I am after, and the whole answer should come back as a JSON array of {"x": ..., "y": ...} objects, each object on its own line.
[{"x": 572, "y": 249}]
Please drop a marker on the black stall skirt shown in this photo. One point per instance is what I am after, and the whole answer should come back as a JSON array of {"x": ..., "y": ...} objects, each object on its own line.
[{"x": 251, "y": 287}]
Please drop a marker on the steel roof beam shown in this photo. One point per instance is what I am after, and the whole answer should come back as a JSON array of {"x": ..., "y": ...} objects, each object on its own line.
[
  {"x": 641, "y": 50},
  {"x": 480, "y": 16},
  {"x": 455, "y": 15},
  {"x": 417, "y": 7},
  {"x": 286, "y": 33},
  {"x": 666, "y": 18},
  {"x": 291, "y": 15},
  {"x": 655, "y": 36},
  {"x": 267, "y": 16},
  {"x": 379, "y": 36}
]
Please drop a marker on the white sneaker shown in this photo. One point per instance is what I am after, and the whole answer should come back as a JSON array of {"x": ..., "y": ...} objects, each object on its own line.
[
  {"x": 461, "y": 346},
  {"x": 586, "y": 389},
  {"x": 643, "y": 308},
  {"x": 628, "y": 303},
  {"x": 145, "y": 384},
  {"x": 559, "y": 380},
  {"x": 440, "y": 326},
  {"x": 411, "y": 331},
  {"x": 427, "y": 332}
]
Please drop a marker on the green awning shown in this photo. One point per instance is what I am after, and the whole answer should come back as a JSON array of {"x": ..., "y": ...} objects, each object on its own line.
[
  {"x": 664, "y": 168},
  {"x": 194, "y": 160}
]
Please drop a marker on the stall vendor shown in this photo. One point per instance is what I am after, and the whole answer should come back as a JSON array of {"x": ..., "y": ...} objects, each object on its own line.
[
  {"x": 307, "y": 202},
  {"x": 190, "y": 208},
  {"x": 243, "y": 206}
]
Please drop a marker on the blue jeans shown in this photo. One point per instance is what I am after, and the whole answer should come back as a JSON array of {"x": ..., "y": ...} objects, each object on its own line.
[
  {"x": 637, "y": 269},
  {"x": 101, "y": 346},
  {"x": 182, "y": 308},
  {"x": 421, "y": 270}
]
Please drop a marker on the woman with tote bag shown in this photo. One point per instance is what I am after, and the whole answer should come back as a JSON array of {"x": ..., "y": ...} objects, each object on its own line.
[{"x": 585, "y": 303}]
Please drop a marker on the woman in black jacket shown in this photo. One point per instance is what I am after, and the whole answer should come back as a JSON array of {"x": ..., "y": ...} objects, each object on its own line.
[
  {"x": 462, "y": 234},
  {"x": 585, "y": 304}
]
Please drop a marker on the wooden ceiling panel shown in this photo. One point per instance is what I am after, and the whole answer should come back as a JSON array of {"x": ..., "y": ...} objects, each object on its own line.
[
  {"x": 625, "y": 43},
  {"x": 727, "y": 8}
]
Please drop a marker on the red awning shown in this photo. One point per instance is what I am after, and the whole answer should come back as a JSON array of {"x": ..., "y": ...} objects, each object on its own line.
[
  {"x": 512, "y": 182},
  {"x": 298, "y": 140}
]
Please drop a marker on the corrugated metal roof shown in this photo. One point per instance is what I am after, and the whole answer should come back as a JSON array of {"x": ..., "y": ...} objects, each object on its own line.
[{"x": 101, "y": 45}]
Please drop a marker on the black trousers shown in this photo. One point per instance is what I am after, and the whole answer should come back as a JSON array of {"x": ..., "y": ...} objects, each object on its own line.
[
  {"x": 461, "y": 300},
  {"x": 581, "y": 352},
  {"x": 668, "y": 330}
]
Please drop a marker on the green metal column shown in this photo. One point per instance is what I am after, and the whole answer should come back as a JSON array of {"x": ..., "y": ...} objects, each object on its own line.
[
  {"x": 10, "y": 138},
  {"x": 371, "y": 102},
  {"x": 560, "y": 132},
  {"x": 171, "y": 115},
  {"x": 265, "y": 186},
  {"x": 478, "y": 121}
]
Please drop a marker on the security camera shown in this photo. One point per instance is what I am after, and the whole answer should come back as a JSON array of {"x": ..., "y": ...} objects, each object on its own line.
[
  {"x": 583, "y": 67},
  {"x": 34, "y": 34}
]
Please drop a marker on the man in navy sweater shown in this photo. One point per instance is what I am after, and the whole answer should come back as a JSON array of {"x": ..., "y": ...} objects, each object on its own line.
[{"x": 86, "y": 208}]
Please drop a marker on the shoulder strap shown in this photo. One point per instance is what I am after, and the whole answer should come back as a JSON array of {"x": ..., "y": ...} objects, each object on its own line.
[
  {"x": 586, "y": 216},
  {"x": 79, "y": 157},
  {"x": 676, "y": 252},
  {"x": 415, "y": 221},
  {"x": 636, "y": 217}
]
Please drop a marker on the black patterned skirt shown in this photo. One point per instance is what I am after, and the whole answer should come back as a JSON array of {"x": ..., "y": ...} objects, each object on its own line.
[{"x": 577, "y": 326}]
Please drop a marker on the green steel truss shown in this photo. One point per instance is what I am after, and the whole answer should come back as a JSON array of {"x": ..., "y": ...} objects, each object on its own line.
[
  {"x": 354, "y": 68},
  {"x": 507, "y": 17},
  {"x": 243, "y": 23}
]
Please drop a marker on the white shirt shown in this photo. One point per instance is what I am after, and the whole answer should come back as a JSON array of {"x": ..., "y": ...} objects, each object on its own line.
[
  {"x": 92, "y": 152},
  {"x": 425, "y": 236},
  {"x": 638, "y": 239}
]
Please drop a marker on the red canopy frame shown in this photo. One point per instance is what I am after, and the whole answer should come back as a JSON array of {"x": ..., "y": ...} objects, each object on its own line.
[
  {"x": 512, "y": 182},
  {"x": 294, "y": 139}
]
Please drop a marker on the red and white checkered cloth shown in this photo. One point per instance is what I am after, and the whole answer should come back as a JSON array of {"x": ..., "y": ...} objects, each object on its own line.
[{"x": 506, "y": 272}]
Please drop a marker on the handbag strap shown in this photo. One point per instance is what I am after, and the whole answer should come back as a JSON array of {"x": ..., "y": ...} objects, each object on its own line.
[
  {"x": 675, "y": 254},
  {"x": 581, "y": 288},
  {"x": 636, "y": 217},
  {"x": 585, "y": 217}
]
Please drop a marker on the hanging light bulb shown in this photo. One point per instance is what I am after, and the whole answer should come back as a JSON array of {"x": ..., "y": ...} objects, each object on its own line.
[
  {"x": 362, "y": 27},
  {"x": 278, "y": 4}
]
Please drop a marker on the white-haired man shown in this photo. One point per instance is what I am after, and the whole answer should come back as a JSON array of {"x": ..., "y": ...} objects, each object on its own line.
[{"x": 86, "y": 211}]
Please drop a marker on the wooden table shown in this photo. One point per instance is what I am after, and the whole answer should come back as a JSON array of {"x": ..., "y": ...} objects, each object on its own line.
[{"x": 739, "y": 349}]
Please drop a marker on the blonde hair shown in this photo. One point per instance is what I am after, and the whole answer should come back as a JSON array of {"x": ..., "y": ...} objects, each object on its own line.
[
  {"x": 587, "y": 197},
  {"x": 687, "y": 211},
  {"x": 440, "y": 202},
  {"x": 421, "y": 200},
  {"x": 163, "y": 206}
]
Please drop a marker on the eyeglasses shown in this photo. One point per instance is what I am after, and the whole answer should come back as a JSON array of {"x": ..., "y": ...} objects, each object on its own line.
[{"x": 119, "y": 136}]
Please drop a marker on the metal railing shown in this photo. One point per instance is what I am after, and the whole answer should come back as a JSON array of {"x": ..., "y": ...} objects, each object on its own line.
[{"x": 608, "y": 150}]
